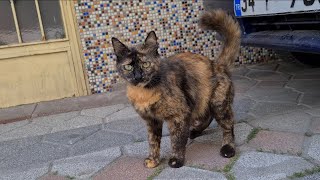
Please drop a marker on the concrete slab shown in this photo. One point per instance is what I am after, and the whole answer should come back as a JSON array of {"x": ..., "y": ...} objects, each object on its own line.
[
  {"x": 77, "y": 122},
  {"x": 189, "y": 173},
  {"x": 102, "y": 112},
  {"x": 141, "y": 149},
  {"x": 206, "y": 156},
  {"x": 280, "y": 95},
  {"x": 9, "y": 148},
  {"x": 28, "y": 130},
  {"x": 99, "y": 141},
  {"x": 290, "y": 122},
  {"x": 268, "y": 76},
  {"x": 29, "y": 174},
  {"x": 125, "y": 168},
  {"x": 125, "y": 113},
  {"x": 16, "y": 113},
  {"x": 72, "y": 136},
  {"x": 267, "y": 166},
  {"x": 11, "y": 126},
  {"x": 84, "y": 166},
  {"x": 263, "y": 109},
  {"x": 55, "y": 120},
  {"x": 280, "y": 142},
  {"x": 313, "y": 150},
  {"x": 34, "y": 155}
]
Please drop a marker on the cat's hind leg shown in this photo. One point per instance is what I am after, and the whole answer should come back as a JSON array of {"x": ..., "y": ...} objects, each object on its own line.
[
  {"x": 221, "y": 105},
  {"x": 224, "y": 117}
]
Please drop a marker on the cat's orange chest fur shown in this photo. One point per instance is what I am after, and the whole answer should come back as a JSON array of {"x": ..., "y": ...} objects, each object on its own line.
[{"x": 142, "y": 98}]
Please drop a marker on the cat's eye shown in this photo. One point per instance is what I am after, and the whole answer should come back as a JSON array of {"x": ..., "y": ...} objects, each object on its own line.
[
  {"x": 146, "y": 64},
  {"x": 128, "y": 67}
]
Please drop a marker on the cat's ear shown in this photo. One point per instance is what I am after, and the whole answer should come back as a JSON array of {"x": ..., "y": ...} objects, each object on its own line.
[
  {"x": 119, "y": 48},
  {"x": 151, "y": 39}
]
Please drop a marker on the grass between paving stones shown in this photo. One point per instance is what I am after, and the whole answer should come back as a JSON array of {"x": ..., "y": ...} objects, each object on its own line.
[
  {"x": 253, "y": 134},
  {"x": 229, "y": 166},
  {"x": 70, "y": 177},
  {"x": 226, "y": 170},
  {"x": 155, "y": 173},
  {"x": 305, "y": 173},
  {"x": 230, "y": 177}
]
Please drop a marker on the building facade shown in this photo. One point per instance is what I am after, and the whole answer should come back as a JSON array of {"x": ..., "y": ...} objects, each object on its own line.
[{"x": 57, "y": 49}]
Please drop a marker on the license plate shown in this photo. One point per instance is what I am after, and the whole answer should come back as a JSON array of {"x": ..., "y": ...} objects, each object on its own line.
[{"x": 269, "y": 7}]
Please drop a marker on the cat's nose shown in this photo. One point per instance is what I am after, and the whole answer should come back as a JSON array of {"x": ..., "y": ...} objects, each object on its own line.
[{"x": 137, "y": 76}]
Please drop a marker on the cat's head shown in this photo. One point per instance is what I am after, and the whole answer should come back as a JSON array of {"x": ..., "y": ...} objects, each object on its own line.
[{"x": 139, "y": 64}]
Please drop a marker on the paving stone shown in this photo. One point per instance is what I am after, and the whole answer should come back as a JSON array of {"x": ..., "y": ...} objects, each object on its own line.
[
  {"x": 55, "y": 120},
  {"x": 273, "y": 95},
  {"x": 206, "y": 156},
  {"x": 189, "y": 173},
  {"x": 308, "y": 86},
  {"x": 314, "y": 148},
  {"x": 102, "y": 112},
  {"x": 36, "y": 154},
  {"x": 77, "y": 122},
  {"x": 263, "y": 109},
  {"x": 315, "y": 125},
  {"x": 101, "y": 140},
  {"x": 142, "y": 134},
  {"x": 25, "y": 131},
  {"x": 267, "y": 166},
  {"x": 290, "y": 68},
  {"x": 292, "y": 122},
  {"x": 122, "y": 114},
  {"x": 8, "y": 148},
  {"x": 280, "y": 142},
  {"x": 24, "y": 174},
  {"x": 271, "y": 84},
  {"x": 307, "y": 76},
  {"x": 268, "y": 76},
  {"x": 83, "y": 102},
  {"x": 242, "y": 84},
  {"x": 264, "y": 67},
  {"x": 311, "y": 99},
  {"x": 241, "y": 132},
  {"x": 213, "y": 136},
  {"x": 314, "y": 112},
  {"x": 311, "y": 177},
  {"x": 141, "y": 149},
  {"x": 129, "y": 125},
  {"x": 125, "y": 168},
  {"x": 84, "y": 166},
  {"x": 242, "y": 107},
  {"x": 11, "y": 126},
  {"x": 16, "y": 113},
  {"x": 239, "y": 71},
  {"x": 70, "y": 137},
  {"x": 53, "y": 177},
  {"x": 310, "y": 70}
]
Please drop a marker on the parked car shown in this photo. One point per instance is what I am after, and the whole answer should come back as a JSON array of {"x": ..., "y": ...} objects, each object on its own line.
[{"x": 287, "y": 25}]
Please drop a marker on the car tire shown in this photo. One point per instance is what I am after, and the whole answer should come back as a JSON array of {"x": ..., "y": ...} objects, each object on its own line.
[{"x": 307, "y": 58}]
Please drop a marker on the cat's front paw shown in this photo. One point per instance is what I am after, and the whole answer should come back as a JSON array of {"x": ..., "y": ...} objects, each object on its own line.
[
  {"x": 175, "y": 163},
  {"x": 227, "y": 151},
  {"x": 151, "y": 163}
]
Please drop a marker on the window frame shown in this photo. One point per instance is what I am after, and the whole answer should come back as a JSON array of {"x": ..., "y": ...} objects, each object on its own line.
[{"x": 43, "y": 37}]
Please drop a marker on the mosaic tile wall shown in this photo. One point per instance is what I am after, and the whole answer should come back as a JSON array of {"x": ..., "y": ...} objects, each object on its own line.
[{"x": 175, "y": 23}]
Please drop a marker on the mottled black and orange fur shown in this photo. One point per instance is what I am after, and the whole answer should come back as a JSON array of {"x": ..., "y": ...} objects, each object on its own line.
[{"x": 186, "y": 90}]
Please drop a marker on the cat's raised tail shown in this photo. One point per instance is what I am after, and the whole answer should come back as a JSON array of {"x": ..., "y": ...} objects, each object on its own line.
[{"x": 224, "y": 24}]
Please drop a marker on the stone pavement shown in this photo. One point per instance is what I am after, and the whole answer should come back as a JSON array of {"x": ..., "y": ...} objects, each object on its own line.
[{"x": 277, "y": 109}]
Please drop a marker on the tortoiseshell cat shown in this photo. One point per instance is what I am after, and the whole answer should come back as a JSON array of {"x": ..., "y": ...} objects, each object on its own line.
[{"x": 186, "y": 90}]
